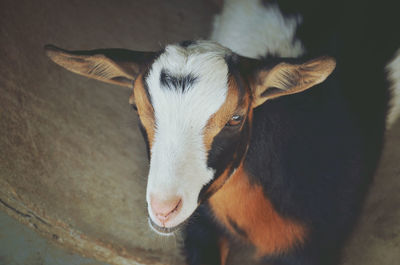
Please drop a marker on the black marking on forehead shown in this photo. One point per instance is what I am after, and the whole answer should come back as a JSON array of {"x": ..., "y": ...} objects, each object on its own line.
[
  {"x": 176, "y": 82},
  {"x": 187, "y": 43}
]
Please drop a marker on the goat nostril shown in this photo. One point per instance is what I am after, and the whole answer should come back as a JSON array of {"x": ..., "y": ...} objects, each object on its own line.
[{"x": 163, "y": 209}]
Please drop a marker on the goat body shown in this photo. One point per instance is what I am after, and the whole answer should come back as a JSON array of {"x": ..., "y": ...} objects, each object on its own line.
[{"x": 275, "y": 153}]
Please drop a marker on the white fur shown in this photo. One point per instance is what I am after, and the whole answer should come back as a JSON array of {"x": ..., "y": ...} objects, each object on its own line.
[
  {"x": 393, "y": 69},
  {"x": 178, "y": 164},
  {"x": 253, "y": 30}
]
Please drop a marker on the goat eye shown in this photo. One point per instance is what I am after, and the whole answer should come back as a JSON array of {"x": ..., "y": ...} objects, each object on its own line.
[
  {"x": 235, "y": 120},
  {"x": 134, "y": 107}
]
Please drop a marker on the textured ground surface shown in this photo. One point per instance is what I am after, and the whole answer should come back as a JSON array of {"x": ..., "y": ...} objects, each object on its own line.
[
  {"x": 72, "y": 163},
  {"x": 15, "y": 237}
]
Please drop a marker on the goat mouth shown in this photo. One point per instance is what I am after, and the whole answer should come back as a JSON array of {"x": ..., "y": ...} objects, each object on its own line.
[{"x": 165, "y": 231}]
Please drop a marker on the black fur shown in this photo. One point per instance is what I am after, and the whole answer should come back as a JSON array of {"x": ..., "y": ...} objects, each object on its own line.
[
  {"x": 312, "y": 162},
  {"x": 201, "y": 243}
]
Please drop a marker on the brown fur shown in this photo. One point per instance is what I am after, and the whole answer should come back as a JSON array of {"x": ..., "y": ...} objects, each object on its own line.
[
  {"x": 291, "y": 78},
  {"x": 96, "y": 66},
  {"x": 222, "y": 116},
  {"x": 218, "y": 183},
  {"x": 224, "y": 250},
  {"x": 145, "y": 109},
  {"x": 217, "y": 122},
  {"x": 246, "y": 205}
]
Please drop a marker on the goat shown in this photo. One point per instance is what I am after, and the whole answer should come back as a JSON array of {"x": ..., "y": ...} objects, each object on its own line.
[{"x": 275, "y": 153}]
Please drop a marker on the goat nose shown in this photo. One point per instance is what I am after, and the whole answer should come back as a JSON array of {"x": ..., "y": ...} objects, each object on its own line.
[{"x": 165, "y": 209}]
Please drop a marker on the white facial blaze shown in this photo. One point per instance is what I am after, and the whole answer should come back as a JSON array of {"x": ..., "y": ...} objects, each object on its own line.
[{"x": 178, "y": 163}]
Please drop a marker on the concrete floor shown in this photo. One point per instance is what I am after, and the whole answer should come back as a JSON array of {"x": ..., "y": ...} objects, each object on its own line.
[
  {"x": 72, "y": 162},
  {"x": 20, "y": 245}
]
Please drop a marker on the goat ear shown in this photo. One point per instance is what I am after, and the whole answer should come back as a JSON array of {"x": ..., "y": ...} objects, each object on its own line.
[
  {"x": 285, "y": 79},
  {"x": 115, "y": 66}
]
